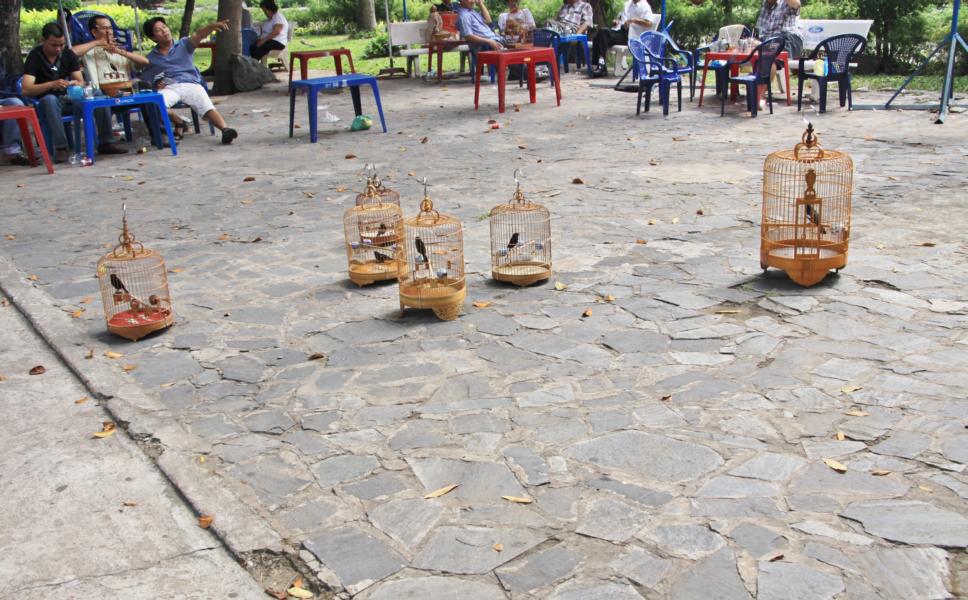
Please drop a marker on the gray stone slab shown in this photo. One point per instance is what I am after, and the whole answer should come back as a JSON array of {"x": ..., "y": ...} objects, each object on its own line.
[
  {"x": 658, "y": 416},
  {"x": 594, "y": 590},
  {"x": 407, "y": 521},
  {"x": 687, "y": 541},
  {"x": 819, "y": 478},
  {"x": 725, "y": 486},
  {"x": 273, "y": 422},
  {"x": 694, "y": 583},
  {"x": 627, "y": 341},
  {"x": 426, "y": 588},
  {"x": 561, "y": 394},
  {"x": 470, "y": 550},
  {"x": 821, "y": 449},
  {"x": 728, "y": 508},
  {"x": 418, "y": 434},
  {"x": 757, "y": 540},
  {"x": 538, "y": 569},
  {"x": 769, "y": 466},
  {"x": 377, "y": 486},
  {"x": 956, "y": 448},
  {"x": 310, "y": 444},
  {"x": 368, "y": 332},
  {"x": 320, "y": 421},
  {"x": 479, "y": 482},
  {"x": 479, "y": 423},
  {"x": 642, "y": 567},
  {"x": 214, "y": 427},
  {"x": 903, "y": 444},
  {"x": 907, "y": 572},
  {"x": 308, "y": 517},
  {"x": 720, "y": 330},
  {"x": 910, "y": 522},
  {"x": 836, "y": 533},
  {"x": 610, "y": 519},
  {"x": 242, "y": 368},
  {"x": 640, "y": 494},
  {"x": 356, "y": 558},
  {"x": 488, "y": 321},
  {"x": 339, "y": 469},
  {"x": 654, "y": 456},
  {"x": 788, "y": 581},
  {"x": 830, "y": 556},
  {"x": 533, "y": 467},
  {"x": 273, "y": 479},
  {"x": 165, "y": 366}
]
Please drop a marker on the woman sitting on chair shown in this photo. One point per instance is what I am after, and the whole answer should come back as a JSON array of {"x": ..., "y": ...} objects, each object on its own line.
[{"x": 273, "y": 33}]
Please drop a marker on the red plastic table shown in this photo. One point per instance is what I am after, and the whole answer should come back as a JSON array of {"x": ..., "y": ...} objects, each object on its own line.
[
  {"x": 305, "y": 55},
  {"x": 502, "y": 59},
  {"x": 783, "y": 57},
  {"x": 28, "y": 116}
]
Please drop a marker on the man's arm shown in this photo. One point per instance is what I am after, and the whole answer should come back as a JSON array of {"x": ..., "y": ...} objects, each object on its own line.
[
  {"x": 794, "y": 4},
  {"x": 203, "y": 32},
  {"x": 586, "y": 18},
  {"x": 131, "y": 56},
  {"x": 30, "y": 87},
  {"x": 276, "y": 30},
  {"x": 476, "y": 39},
  {"x": 77, "y": 77},
  {"x": 80, "y": 50},
  {"x": 484, "y": 14}
]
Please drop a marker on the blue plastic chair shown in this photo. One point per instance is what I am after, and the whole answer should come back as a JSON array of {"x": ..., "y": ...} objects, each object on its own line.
[
  {"x": 249, "y": 38},
  {"x": 840, "y": 51},
  {"x": 762, "y": 58},
  {"x": 313, "y": 86},
  {"x": 655, "y": 68},
  {"x": 80, "y": 33},
  {"x": 552, "y": 39}
]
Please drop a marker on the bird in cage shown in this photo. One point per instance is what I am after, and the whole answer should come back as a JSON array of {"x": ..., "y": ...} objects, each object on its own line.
[
  {"x": 422, "y": 249},
  {"x": 382, "y": 231},
  {"x": 513, "y": 242},
  {"x": 381, "y": 258}
]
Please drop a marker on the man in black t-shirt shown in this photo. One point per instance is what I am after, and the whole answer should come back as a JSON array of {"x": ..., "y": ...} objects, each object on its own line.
[{"x": 48, "y": 70}]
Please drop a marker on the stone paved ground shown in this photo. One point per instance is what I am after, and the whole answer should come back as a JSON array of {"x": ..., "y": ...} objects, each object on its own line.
[{"x": 673, "y": 442}]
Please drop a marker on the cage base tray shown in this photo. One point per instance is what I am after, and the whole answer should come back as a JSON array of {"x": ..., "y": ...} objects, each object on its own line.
[
  {"x": 521, "y": 274},
  {"x": 134, "y": 326},
  {"x": 366, "y": 273},
  {"x": 804, "y": 270},
  {"x": 445, "y": 301}
]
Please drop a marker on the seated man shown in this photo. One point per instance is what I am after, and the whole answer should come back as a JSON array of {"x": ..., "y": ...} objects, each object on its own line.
[
  {"x": 575, "y": 15},
  {"x": 10, "y": 151},
  {"x": 171, "y": 71},
  {"x": 46, "y": 72},
  {"x": 635, "y": 19},
  {"x": 273, "y": 33},
  {"x": 106, "y": 65},
  {"x": 516, "y": 22},
  {"x": 475, "y": 27}
]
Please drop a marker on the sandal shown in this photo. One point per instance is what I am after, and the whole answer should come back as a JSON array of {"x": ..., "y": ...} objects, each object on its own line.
[
  {"x": 178, "y": 129},
  {"x": 18, "y": 160}
]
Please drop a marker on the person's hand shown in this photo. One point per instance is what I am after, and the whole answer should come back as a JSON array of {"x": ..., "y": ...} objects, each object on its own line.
[
  {"x": 112, "y": 48},
  {"x": 614, "y": 22},
  {"x": 160, "y": 86},
  {"x": 496, "y": 45},
  {"x": 59, "y": 84},
  {"x": 220, "y": 25}
]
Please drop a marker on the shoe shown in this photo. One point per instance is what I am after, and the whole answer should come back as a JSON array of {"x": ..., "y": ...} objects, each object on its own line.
[
  {"x": 106, "y": 149},
  {"x": 229, "y": 134},
  {"x": 61, "y": 155},
  {"x": 17, "y": 160},
  {"x": 599, "y": 71}
]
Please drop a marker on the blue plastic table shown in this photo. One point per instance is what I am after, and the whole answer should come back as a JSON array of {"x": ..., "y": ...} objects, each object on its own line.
[
  {"x": 312, "y": 87},
  {"x": 84, "y": 111}
]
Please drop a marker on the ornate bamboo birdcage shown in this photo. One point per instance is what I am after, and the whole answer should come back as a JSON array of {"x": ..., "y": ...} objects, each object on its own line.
[
  {"x": 373, "y": 229},
  {"x": 134, "y": 287},
  {"x": 432, "y": 262},
  {"x": 520, "y": 240},
  {"x": 382, "y": 195},
  {"x": 806, "y": 210}
]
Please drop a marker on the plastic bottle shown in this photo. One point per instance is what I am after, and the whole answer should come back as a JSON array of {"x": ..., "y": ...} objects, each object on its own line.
[{"x": 820, "y": 65}]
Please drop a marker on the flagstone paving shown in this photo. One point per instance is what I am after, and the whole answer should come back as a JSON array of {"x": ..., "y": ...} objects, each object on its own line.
[{"x": 673, "y": 441}]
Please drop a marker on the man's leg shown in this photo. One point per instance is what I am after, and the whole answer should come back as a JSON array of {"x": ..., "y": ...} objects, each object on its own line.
[
  {"x": 105, "y": 134},
  {"x": 195, "y": 96},
  {"x": 51, "y": 110}
]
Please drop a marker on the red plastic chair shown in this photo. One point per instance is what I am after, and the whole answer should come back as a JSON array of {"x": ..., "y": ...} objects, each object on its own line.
[{"x": 25, "y": 116}]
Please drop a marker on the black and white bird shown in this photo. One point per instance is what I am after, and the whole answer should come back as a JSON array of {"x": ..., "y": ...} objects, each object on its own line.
[
  {"x": 513, "y": 242},
  {"x": 118, "y": 284},
  {"x": 381, "y": 258},
  {"x": 422, "y": 249}
]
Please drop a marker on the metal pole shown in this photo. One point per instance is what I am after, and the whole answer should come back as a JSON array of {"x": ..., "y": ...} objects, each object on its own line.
[
  {"x": 137, "y": 24},
  {"x": 947, "y": 86},
  {"x": 662, "y": 19},
  {"x": 63, "y": 23}
]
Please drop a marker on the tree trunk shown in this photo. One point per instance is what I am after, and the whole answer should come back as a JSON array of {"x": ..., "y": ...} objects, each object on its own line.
[
  {"x": 366, "y": 15},
  {"x": 227, "y": 44},
  {"x": 186, "y": 24},
  {"x": 598, "y": 12},
  {"x": 10, "y": 59}
]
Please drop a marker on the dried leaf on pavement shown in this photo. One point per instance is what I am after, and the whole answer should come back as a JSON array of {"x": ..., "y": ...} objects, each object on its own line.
[
  {"x": 248, "y": 179},
  {"x": 350, "y": 156},
  {"x": 81, "y": 400},
  {"x": 577, "y": 181},
  {"x": 316, "y": 356},
  {"x": 423, "y": 140},
  {"x": 113, "y": 354},
  {"x": 107, "y": 429},
  {"x": 38, "y": 370},
  {"x": 857, "y": 413},
  {"x": 498, "y": 547},
  {"x": 560, "y": 286},
  {"x": 850, "y": 388},
  {"x": 587, "y": 313},
  {"x": 444, "y": 490},
  {"x": 840, "y": 436},
  {"x": 205, "y": 521},
  {"x": 482, "y": 303},
  {"x": 518, "y": 499},
  {"x": 641, "y": 241},
  {"x": 77, "y": 313},
  {"x": 298, "y": 592},
  {"x": 880, "y": 472},
  {"x": 836, "y": 466},
  {"x": 128, "y": 368}
]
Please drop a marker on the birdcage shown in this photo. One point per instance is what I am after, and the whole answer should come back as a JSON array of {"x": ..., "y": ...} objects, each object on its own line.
[
  {"x": 383, "y": 194},
  {"x": 373, "y": 229},
  {"x": 134, "y": 288},
  {"x": 520, "y": 240},
  {"x": 806, "y": 210},
  {"x": 432, "y": 262}
]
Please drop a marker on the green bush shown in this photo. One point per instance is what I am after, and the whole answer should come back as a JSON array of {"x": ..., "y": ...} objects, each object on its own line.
[
  {"x": 379, "y": 45},
  {"x": 49, "y": 4},
  {"x": 32, "y": 21}
]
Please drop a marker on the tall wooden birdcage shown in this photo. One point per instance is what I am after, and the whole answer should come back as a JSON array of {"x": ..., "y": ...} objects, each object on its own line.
[
  {"x": 383, "y": 194},
  {"x": 134, "y": 287},
  {"x": 373, "y": 230},
  {"x": 520, "y": 240},
  {"x": 806, "y": 210},
  {"x": 432, "y": 256}
]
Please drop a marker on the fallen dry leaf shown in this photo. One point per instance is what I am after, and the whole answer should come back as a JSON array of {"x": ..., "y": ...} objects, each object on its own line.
[
  {"x": 205, "y": 521},
  {"x": 577, "y": 181},
  {"x": 836, "y": 466},
  {"x": 587, "y": 313},
  {"x": 609, "y": 298},
  {"x": 77, "y": 313},
  {"x": 880, "y": 472},
  {"x": 2, "y": 378},
  {"x": 776, "y": 558},
  {"x": 849, "y": 389},
  {"x": 32, "y": 278},
  {"x": 350, "y": 156},
  {"x": 176, "y": 270},
  {"x": 107, "y": 429},
  {"x": 128, "y": 368},
  {"x": 411, "y": 174},
  {"x": 10, "y": 237},
  {"x": 727, "y": 311},
  {"x": 654, "y": 162},
  {"x": 495, "y": 126},
  {"x": 81, "y": 400},
  {"x": 248, "y": 178},
  {"x": 298, "y": 592},
  {"x": 224, "y": 237},
  {"x": 86, "y": 300},
  {"x": 652, "y": 221},
  {"x": 840, "y": 436},
  {"x": 666, "y": 398},
  {"x": 498, "y": 547},
  {"x": 518, "y": 499},
  {"x": 444, "y": 490},
  {"x": 38, "y": 370},
  {"x": 423, "y": 140},
  {"x": 857, "y": 413},
  {"x": 928, "y": 244},
  {"x": 309, "y": 194},
  {"x": 276, "y": 595},
  {"x": 316, "y": 356},
  {"x": 482, "y": 303},
  {"x": 129, "y": 503},
  {"x": 641, "y": 241},
  {"x": 89, "y": 355},
  {"x": 678, "y": 139},
  {"x": 675, "y": 220},
  {"x": 247, "y": 201},
  {"x": 522, "y": 146},
  {"x": 113, "y": 354},
  {"x": 700, "y": 212},
  {"x": 560, "y": 286}
]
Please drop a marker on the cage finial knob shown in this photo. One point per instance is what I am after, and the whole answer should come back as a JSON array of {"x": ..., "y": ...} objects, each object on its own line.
[
  {"x": 426, "y": 205},
  {"x": 518, "y": 194},
  {"x": 810, "y": 138},
  {"x": 125, "y": 240}
]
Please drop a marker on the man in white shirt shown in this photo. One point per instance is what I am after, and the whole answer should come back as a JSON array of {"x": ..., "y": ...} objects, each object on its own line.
[
  {"x": 273, "y": 33},
  {"x": 635, "y": 19}
]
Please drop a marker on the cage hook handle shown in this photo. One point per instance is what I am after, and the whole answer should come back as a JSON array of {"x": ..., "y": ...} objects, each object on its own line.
[
  {"x": 126, "y": 241},
  {"x": 427, "y": 205},
  {"x": 518, "y": 194}
]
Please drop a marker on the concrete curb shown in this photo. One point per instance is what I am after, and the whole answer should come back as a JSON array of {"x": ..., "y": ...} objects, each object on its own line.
[{"x": 237, "y": 525}]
